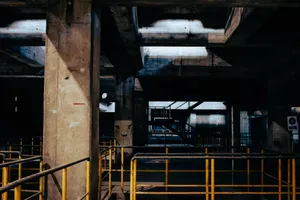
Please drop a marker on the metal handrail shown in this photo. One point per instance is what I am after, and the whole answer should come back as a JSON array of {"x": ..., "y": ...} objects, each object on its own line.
[
  {"x": 6, "y": 164},
  {"x": 17, "y": 183},
  {"x": 291, "y": 185},
  {"x": 11, "y": 152},
  {"x": 232, "y": 156}
]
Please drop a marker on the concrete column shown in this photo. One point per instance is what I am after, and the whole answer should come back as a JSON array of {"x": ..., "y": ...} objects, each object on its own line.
[
  {"x": 71, "y": 96},
  {"x": 277, "y": 138},
  {"x": 124, "y": 111},
  {"x": 140, "y": 131}
]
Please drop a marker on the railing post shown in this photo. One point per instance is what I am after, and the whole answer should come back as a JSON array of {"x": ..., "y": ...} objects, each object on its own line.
[
  {"x": 20, "y": 169},
  {"x": 279, "y": 179},
  {"x": 41, "y": 146},
  {"x": 32, "y": 143},
  {"x": 115, "y": 151},
  {"x": 19, "y": 177},
  {"x": 212, "y": 179},
  {"x": 4, "y": 181},
  {"x": 134, "y": 179},
  {"x": 100, "y": 176},
  {"x": 131, "y": 180},
  {"x": 17, "y": 193},
  {"x": 294, "y": 178},
  {"x": 9, "y": 167},
  {"x": 109, "y": 173},
  {"x": 248, "y": 169},
  {"x": 262, "y": 171},
  {"x": 105, "y": 155},
  {"x": 21, "y": 145},
  {"x": 41, "y": 182},
  {"x": 206, "y": 176},
  {"x": 122, "y": 169},
  {"x": 289, "y": 179},
  {"x": 64, "y": 184},
  {"x": 88, "y": 167},
  {"x": 167, "y": 170}
]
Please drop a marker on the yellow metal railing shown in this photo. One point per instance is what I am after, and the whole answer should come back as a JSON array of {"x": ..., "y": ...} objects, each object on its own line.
[
  {"x": 212, "y": 186},
  {"x": 30, "y": 146},
  {"x": 16, "y": 185},
  {"x": 8, "y": 156},
  {"x": 6, "y": 173},
  {"x": 108, "y": 166}
]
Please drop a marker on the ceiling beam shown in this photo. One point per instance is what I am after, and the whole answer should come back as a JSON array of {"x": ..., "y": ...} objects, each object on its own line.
[
  {"x": 23, "y": 39},
  {"x": 245, "y": 22},
  {"x": 178, "y": 39},
  {"x": 126, "y": 22},
  {"x": 219, "y": 3},
  {"x": 205, "y": 72},
  {"x": 20, "y": 58}
]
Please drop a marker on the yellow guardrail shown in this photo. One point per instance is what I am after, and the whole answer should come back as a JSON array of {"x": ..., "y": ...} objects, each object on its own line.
[
  {"x": 6, "y": 172},
  {"x": 108, "y": 166},
  {"x": 210, "y": 158},
  {"x": 16, "y": 185},
  {"x": 31, "y": 145}
]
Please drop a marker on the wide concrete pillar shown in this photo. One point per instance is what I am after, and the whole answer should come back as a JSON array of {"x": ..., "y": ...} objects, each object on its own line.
[
  {"x": 124, "y": 112},
  {"x": 71, "y": 96},
  {"x": 278, "y": 137}
]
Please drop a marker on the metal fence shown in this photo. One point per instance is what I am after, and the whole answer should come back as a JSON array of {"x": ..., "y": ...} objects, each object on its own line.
[{"x": 254, "y": 165}]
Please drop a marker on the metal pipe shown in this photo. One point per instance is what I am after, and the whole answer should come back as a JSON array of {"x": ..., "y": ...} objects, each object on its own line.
[
  {"x": 21, "y": 142},
  {"x": 122, "y": 169},
  {"x": 197, "y": 185},
  {"x": 115, "y": 151},
  {"x": 279, "y": 179},
  {"x": 216, "y": 193},
  {"x": 294, "y": 179},
  {"x": 20, "y": 169},
  {"x": 19, "y": 177},
  {"x": 17, "y": 193},
  {"x": 262, "y": 172},
  {"x": 110, "y": 175},
  {"x": 20, "y": 161},
  {"x": 203, "y": 157},
  {"x": 105, "y": 154},
  {"x": 289, "y": 178},
  {"x": 9, "y": 167},
  {"x": 41, "y": 146},
  {"x": 4, "y": 182},
  {"x": 16, "y": 183},
  {"x": 100, "y": 176},
  {"x": 134, "y": 179},
  {"x": 41, "y": 182},
  {"x": 64, "y": 184},
  {"x": 212, "y": 179},
  {"x": 206, "y": 178},
  {"x": 30, "y": 197},
  {"x": 179, "y": 170},
  {"x": 232, "y": 144},
  {"x": 88, "y": 175},
  {"x": 131, "y": 180},
  {"x": 166, "y": 172}
]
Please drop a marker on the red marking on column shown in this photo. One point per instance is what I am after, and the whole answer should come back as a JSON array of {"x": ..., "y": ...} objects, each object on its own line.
[{"x": 79, "y": 104}]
